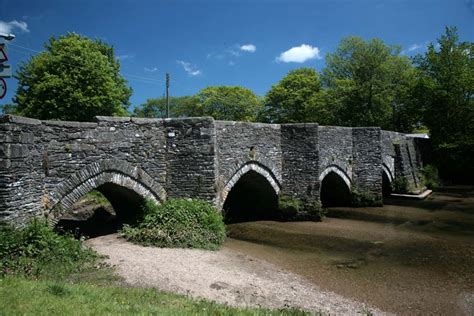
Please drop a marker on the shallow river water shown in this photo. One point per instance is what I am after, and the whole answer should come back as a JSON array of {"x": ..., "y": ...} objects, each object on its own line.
[{"x": 408, "y": 257}]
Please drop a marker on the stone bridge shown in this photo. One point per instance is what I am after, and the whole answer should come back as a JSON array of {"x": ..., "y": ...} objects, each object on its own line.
[{"x": 46, "y": 166}]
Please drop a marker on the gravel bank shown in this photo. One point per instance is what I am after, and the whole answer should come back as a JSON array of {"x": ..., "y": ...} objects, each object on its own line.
[{"x": 226, "y": 276}]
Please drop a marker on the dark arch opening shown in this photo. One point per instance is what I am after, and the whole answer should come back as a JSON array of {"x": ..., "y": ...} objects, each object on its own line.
[
  {"x": 251, "y": 198},
  {"x": 334, "y": 191},
  {"x": 102, "y": 211},
  {"x": 386, "y": 185}
]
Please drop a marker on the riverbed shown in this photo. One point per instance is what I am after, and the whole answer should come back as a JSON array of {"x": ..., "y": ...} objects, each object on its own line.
[{"x": 407, "y": 257}]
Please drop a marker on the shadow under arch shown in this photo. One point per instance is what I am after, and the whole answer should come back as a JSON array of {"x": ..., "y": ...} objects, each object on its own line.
[
  {"x": 335, "y": 189},
  {"x": 124, "y": 185},
  {"x": 251, "y": 194},
  {"x": 387, "y": 179}
]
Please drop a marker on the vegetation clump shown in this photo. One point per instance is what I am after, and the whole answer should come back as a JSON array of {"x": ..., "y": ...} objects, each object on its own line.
[
  {"x": 362, "y": 199},
  {"x": 180, "y": 223},
  {"x": 430, "y": 177},
  {"x": 297, "y": 209},
  {"x": 37, "y": 251},
  {"x": 400, "y": 185}
]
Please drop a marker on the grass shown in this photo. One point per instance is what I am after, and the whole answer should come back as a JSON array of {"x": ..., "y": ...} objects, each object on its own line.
[
  {"x": 42, "y": 272},
  {"x": 28, "y": 297}
]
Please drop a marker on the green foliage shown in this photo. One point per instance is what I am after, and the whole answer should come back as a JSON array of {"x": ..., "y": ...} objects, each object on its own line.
[
  {"x": 297, "y": 209},
  {"x": 228, "y": 103},
  {"x": 369, "y": 84},
  {"x": 179, "y": 107},
  {"x": 289, "y": 207},
  {"x": 295, "y": 99},
  {"x": 96, "y": 197},
  {"x": 37, "y": 251},
  {"x": 430, "y": 177},
  {"x": 75, "y": 78},
  {"x": 362, "y": 198},
  {"x": 400, "y": 185},
  {"x": 178, "y": 223},
  {"x": 445, "y": 92},
  {"x": 25, "y": 297}
]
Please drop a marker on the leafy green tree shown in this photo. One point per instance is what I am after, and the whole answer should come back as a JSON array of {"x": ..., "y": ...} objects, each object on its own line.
[
  {"x": 295, "y": 99},
  {"x": 179, "y": 107},
  {"x": 74, "y": 79},
  {"x": 230, "y": 103},
  {"x": 370, "y": 84},
  {"x": 446, "y": 92}
]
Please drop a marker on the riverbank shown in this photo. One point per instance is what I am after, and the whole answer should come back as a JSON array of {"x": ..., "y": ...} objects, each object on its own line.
[{"x": 226, "y": 276}]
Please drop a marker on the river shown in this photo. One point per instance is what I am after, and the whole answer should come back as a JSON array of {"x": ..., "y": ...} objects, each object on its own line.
[{"x": 407, "y": 257}]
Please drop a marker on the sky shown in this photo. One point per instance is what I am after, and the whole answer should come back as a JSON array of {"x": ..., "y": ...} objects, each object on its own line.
[{"x": 228, "y": 42}]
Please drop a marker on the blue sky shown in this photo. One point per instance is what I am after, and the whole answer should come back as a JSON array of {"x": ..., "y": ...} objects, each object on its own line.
[{"x": 210, "y": 42}]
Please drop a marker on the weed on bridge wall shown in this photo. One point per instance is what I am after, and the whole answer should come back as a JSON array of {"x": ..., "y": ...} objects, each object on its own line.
[
  {"x": 299, "y": 209},
  {"x": 180, "y": 223}
]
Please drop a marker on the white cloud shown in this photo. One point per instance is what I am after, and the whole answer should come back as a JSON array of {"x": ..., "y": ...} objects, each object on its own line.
[
  {"x": 233, "y": 52},
  {"x": 190, "y": 69},
  {"x": 9, "y": 27},
  {"x": 154, "y": 69},
  {"x": 299, "y": 54},
  {"x": 124, "y": 57},
  {"x": 248, "y": 48},
  {"x": 414, "y": 47}
]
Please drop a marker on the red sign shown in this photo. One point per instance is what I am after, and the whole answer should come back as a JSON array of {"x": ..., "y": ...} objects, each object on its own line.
[
  {"x": 3, "y": 88},
  {"x": 3, "y": 54}
]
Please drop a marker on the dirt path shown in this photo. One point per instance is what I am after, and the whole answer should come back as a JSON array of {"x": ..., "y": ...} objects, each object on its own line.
[{"x": 226, "y": 276}]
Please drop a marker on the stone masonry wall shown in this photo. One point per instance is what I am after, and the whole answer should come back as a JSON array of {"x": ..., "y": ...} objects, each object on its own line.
[
  {"x": 335, "y": 148},
  {"x": 37, "y": 156},
  {"x": 48, "y": 163},
  {"x": 403, "y": 155},
  {"x": 241, "y": 143},
  {"x": 367, "y": 151},
  {"x": 300, "y": 161}
]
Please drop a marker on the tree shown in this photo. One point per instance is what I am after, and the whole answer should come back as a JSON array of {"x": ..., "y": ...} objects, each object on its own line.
[
  {"x": 74, "y": 79},
  {"x": 230, "y": 103},
  {"x": 295, "y": 98},
  {"x": 179, "y": 107},
  {"x": 369, "y": 84},
  {"x": 446, "y": 92}
]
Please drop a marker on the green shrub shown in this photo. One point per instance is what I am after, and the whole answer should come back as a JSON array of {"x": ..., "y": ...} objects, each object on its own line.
[
  {"x": 36, "y": 250},
  {"x": 430, "y": 177},
  {"x": 361, "y": 198},
  {"x": 289, "y": 207},
  {"x": 297, "y": 209},
  {"x": 178, "y": 223},
  {"x": 400, "y": 185}
]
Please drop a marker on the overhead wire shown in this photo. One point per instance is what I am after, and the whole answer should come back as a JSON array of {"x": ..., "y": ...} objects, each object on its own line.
[{"x": 128, "y": 76}]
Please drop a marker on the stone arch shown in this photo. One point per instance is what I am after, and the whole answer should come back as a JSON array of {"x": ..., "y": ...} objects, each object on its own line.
[
  {"x": 251, "y": 194},
  {"x": 388, "y": 166},
  {"x": 336, "y": 169},
  {"x": 115, "y": 172},
  {"x": 387, "y": 172},
  {"x": 267, "y": 173},
  {"x": 335, "y": 187}
]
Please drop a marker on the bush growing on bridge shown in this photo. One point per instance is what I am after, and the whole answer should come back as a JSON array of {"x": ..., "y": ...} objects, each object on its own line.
[
  {"x": 178, "y": 223},
  {"x": 37, "y": 251}
]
